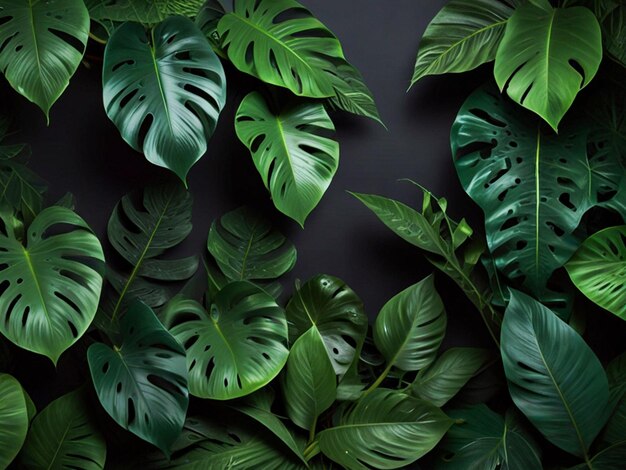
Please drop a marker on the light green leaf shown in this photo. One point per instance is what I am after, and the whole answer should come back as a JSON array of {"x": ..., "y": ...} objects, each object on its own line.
[
  {"x": 547, "y": 55},
  {"x": 42, "y": 45},
  {"x": 13, "y": 419},
  {"x": 164, "y": 90},
  {"x": 289, "y": 149}
]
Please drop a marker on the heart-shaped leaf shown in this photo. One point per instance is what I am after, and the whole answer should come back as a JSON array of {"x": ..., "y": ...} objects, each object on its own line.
[
  {"x": 246, "y": 247},
  {"x": 51, "y": 282},
  {"x": 410, "y": 327},
  {"x": 483, "y": 440},
  {"x": 164, "y": 90},
  {"x": 598, "y": 269},
  {"x": 448, "y": 374},
  {"x": 42, "y": 44},
  {"x": 143, "y": 383},
  {"x": 296, "y": 161},
  {"x": 280, "y": 42},
  {"x": 236, "y": 348},
  {"x": 310, "y": 385},
  {"x": 327, "y": 304},
  {"x": 385, "y": 429},
  {"x": 547, "y": 55},
  {"x": 64, "y": 436},
  {"x": 554, "y": 377},
  {"x": 13, "y": 419},
  {"x": 463, "y": 35}
]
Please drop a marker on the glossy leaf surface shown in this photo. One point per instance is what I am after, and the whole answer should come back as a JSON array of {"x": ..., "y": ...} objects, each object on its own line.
[{"x": 13, "y": 419}]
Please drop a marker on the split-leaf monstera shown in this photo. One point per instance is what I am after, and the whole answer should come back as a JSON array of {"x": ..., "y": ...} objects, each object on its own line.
[
  {"x": 52, "y": 280},
  {"x": 289, "y": 149},
  {"x": 42, "y": 44},
  {"x": 164, "y": 90},
  {"x": 237, "y": 347}
]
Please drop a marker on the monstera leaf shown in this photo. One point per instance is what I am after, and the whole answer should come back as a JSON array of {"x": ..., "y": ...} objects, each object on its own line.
[
  {"x": 52, "y": 281},
  {"x": 410, "y": 327},
  {"x": 141, "y": 228},
  {"x": 385, "y": 429},
  {"x": 63, "y": 436},
  {"x": 598, "y": 269},
  {"x": 463, "y": 35},
  {"x": 164, "y": 90},
  {"x": 616, "y": 426},
  {"x": 245, "y": 246},
  {"x": 141, "y": 11},
  {"x": 554, "y": 377},
  {"x": 546, "y": 56},
  {"x": 482, "y": 440},
  {"x": 42, "y": 46},
  {"x": 533, "y": 188},
  {"x": 328, "y": 305},
  {"x": 280, "y": 42},
  {"x": 13, "y": 419},
  {"x": 296, "y": 161},
  {"x": 237, "y": 347},
  {"x": 143, "y": 383}
]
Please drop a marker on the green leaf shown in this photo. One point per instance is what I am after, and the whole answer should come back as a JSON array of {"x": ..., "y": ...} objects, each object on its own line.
[
  {"x": 42, "y": 46},
  {"x": 13, "y": 419},
  {"x": 310, "y": 385},
  {"x": 385, "y": 429},
  {"x": 289, "y": 149},
  {"x": 598, "y": 269},
  {"x": 164, "y": 90},
  {"x": 611, "y": 458},
  {"x": 614, "y": 33},
  {"x": 208, "y": 18},
  {"x": 615, "y": 429},
  {"x": 141, "y": 11},
  {"x": 52, "y": 282},
  {"x": 483, "y": 440},
  {"x": 410, "y": 327},
  {"x": 463, "y": 35},
  {"x": 21, "y": 190},
  {"x": 261, "y": 39},
  {"x": 143, "y": 383},
  {"x": 142, "y": 228},
  {"x": 63, "y": 436},
  {"x": 236, "y": 348},
  {"x": 327, "y": 304},
  {"x": 246, "y": 247},
  {"x": 448, "y": 374},
  {"x": 533, "y": 188},
  {"x": 554, "y": 377},
  {"x": 547, "y": 55}
]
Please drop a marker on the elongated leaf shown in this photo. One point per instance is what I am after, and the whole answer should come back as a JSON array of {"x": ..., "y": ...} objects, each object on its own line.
[
  {"x": 385, "y": 429},
  {"x": 448, "y": 374},
  {"x": 246, "y": 247},
  {"x": 411, "y": 326},
  {"x": 141, "y": 11},
  {"x": 616, "y": 426},
  {"x": 327, "y": 304},
  {"x": 554, "y": 377},
  {"x": 164, "y": 90},
  {"x": 42, "y": 45},
  {"x": 143, "y": 383},
  {"x": 546, "y": 56},
  {"x": 598, "y": 269},
  {"x": 237, "y": 347},
  {"x": 289, "y": 150},
  {"x": 52, "y": 281},
  {"x": 142, "y": 228},
  {"x": 483, "y": 440},
  {"x": 310, "y": 384},
  {"x": 463, "y": 35},
  {"x": 13, "y": 419},
  {"x": 280, "y": 42},
  {"x": 63, "y": 436}
]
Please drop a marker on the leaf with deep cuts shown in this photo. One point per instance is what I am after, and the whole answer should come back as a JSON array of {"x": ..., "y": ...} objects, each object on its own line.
[
  {"x": 164, "y": 89},
  {"x": 290, "y": 151},
  {"x": 13, "y": 419},
  {"x": 554, "y": 378},
  {"x": 143, "y": 383},
  {"x": 41, "y": 46},
  {"x": 237, "y": 347}
]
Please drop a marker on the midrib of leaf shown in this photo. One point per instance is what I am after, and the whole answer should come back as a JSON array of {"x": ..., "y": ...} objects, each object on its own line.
[
  {"x": 35, "y": 43},
  {"x": 281, "y": 132},
  {"x": 548, "y": 47},
  {"x": 31, "y": 268},
  {"x": 247, "y": 252},
  {"x": 61, "y": 441},
  {"x": 216, "y": 325},
  {"x": 157, "y": 73},
  {"x": 135, "y": 270},
  {"x": 537, "y": 201},
  {"x": 130, "y": 374}
]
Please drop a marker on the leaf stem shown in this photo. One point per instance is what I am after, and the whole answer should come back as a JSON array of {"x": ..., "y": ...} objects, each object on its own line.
[
  {"x": 311, "y": 450},
  {"x": 378, "y": 381},
  {"x": 312, "y": 431},
  {"x": 96, "y": 38}
]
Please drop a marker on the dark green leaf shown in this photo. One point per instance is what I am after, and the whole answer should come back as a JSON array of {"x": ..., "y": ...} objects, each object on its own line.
[
  {"x": 141, "y": 11},
  {"x": 615, "y": 429},
  {"x": 13, "y": 419},
  {"x": 208, "y": 18}
]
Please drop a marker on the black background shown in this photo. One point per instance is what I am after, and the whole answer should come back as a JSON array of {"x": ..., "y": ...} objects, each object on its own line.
[{"x": 82, "y": 152}]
